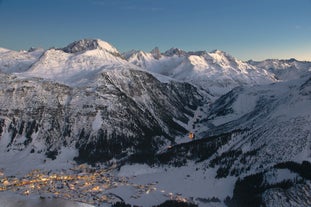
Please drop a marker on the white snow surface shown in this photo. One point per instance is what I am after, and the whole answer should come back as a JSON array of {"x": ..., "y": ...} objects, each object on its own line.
[
  {"x": 137, "y": 169},
  {"x": 276, "y": 118},
  {"x": 9, "y": 199},
  {"x": 215, "y": 71},
  {"x": 75, "y": 68},
  {"x": 285, "y": 69},
  {"x": 106, "y": 46},
  {"x": 86, "y": 60},
  {"x": 98, "y": 121},
  {"x": 20, "y": 162},
  {"x": 90, "y": 44},
  {"x": 191, "y": 182},
  {"x": 18, "y": 61}
]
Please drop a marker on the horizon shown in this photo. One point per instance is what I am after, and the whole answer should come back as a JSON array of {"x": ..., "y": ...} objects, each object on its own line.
[
  {"x": 161, "y": 51},
  {"x": 246, "y": 30}
]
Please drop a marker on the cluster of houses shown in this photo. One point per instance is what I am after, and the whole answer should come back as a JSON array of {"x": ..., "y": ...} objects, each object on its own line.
[{"x": 82, "y": 183}]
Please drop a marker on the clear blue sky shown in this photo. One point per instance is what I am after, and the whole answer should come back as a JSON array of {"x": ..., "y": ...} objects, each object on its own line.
[{"x": 247, "y": 29}]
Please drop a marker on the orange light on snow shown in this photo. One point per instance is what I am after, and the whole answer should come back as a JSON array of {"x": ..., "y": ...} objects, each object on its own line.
[{"x": 191, "y": 135}]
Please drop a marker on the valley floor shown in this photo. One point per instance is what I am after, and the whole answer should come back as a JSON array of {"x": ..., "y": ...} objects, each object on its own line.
[{"x": 134, "y": 184}]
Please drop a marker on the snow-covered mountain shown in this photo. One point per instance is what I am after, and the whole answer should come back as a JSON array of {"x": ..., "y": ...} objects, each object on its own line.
[
  {"x": 214, "y": 71},
  {"x": 128, "y": 112},
  {"x": 16, "y": 62},
  {"x": 284, "y": 69},
  {"x": 273, "y": 120},
  {"x": 90, "y": 44},
  {"x": 274, "y": 128},
  {"x": 262, "y": 136},
  {"x": 79, "y": 63},
  {"x": 89, "y": 84},
  {"x": 251, "y": 119}
]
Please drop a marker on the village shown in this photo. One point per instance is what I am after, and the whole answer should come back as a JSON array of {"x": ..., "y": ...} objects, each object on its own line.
[{"x": 82, "y": 183}]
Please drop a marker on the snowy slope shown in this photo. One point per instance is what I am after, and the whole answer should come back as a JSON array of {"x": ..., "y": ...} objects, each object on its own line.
[
  {"x": 274, "y": 121},
  {"x": 285, "y": 69},
  {"x": 80, "y": 96},
  {"x": 79, "y": 63},
  {"x": 216, "y": 71},
  {"x": 190, "y": 182},
  {"x": 13, "y": 200},
  {"x": 15, "y": 62},
  {"x": 86, "y": 101},
  {"x": 249, "y": 133},
  {"x": 43, "y": 116},
  {"x": 90, "y": 44}
]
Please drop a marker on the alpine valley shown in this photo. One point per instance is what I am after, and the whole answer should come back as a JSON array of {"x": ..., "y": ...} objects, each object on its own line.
[{"x": 86, "y": 125}]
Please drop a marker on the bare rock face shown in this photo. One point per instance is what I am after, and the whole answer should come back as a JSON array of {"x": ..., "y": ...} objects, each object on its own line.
[{"x": 89, "y": 44}]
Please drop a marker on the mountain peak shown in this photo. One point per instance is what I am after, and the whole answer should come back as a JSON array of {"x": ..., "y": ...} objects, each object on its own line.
[
  {"x": 156, "y": 53},
  {"x": 220, "y": 52},
  {"x": 89, "y": 44},
  {"x": 221, "y": 56},
  {"x": 175, "y": 51}
]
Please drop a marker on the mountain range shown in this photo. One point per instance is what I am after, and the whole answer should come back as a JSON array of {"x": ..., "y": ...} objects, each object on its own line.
[{"x": 251, "y": 119}]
